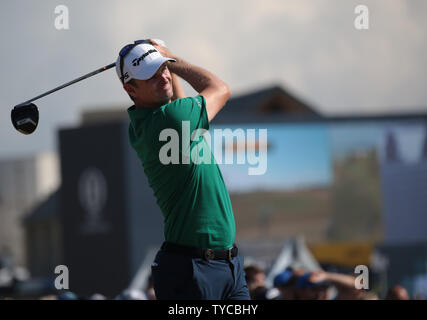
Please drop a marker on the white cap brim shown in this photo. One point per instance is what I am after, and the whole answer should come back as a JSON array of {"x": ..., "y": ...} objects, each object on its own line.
[{"x": 150, "y": 70}]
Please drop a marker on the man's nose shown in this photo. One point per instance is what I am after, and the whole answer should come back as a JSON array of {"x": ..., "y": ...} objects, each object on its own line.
[
  {"x": 163, "y": 79},
  {"x": 164, "y": 76}
]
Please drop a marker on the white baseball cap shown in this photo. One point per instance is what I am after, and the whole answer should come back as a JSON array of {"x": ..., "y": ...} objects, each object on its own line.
[{"x": 141, "y": 62}]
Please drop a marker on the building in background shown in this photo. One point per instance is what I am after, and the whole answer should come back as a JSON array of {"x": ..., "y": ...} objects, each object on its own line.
[
  {"x": 404, "y": 185},
  {"x": 44, "y": 237},
  {"x": 24, "y": 183}
]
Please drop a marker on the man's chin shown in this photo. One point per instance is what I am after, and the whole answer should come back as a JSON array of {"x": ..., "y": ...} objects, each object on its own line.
[
  {"x": 166, "y": 95},
  {"x": 166, "y": 98}
]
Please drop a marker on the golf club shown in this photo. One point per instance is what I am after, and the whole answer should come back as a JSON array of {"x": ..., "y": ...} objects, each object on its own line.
[{"x": 25, "y": 116}]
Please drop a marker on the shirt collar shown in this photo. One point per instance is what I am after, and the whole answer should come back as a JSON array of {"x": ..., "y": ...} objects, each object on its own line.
[{"x": 138, "y": 114}]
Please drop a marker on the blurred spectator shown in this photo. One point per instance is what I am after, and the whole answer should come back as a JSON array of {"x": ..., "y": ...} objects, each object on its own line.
[
  {"x": 264, "y": 293},
  {"x": 397, "y": 293},
  {"x": 345, "y": 284},
  {"x": 131, "y": 294},
  {"x": 308, "y": 288},
  {"x": 285, "y": 283},
  {"x": 367, "y": 295},
  {"x": 61, "y": 295},
  {"x": 419, "y": 296},
  {"x": 255, "y": 280},
  {"x": 151, "y": 294},
  {"x": 259, "y": 293},
  {"x": 49, "y": 297},
  {"x": 97, "y": 296},
  {"x": 255, "y": 277},
  {"x": 67, "y": 295}
]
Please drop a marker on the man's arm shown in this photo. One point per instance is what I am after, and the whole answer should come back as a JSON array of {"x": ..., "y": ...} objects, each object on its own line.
[
  {"x": 214, "y": 90},
  {"x": 343, "y": 280},
  {"x": 344, "y": 283}
]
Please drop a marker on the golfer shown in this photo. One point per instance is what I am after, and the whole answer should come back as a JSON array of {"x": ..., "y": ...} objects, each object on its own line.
[{"x": 198, "y": 259}]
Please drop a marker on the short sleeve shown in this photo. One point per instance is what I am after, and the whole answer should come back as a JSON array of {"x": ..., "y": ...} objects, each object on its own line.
[{"x": 192, "y": 109}]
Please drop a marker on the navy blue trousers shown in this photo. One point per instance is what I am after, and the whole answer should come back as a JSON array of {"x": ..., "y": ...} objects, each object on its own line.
[{"x": 181, "y": 277}]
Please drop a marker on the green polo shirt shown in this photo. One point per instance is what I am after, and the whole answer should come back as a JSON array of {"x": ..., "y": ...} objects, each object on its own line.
[{"x": 182, "y": 172}]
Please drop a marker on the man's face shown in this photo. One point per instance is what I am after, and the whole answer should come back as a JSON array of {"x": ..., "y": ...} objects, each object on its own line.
[
  {"x": 155, "y": 91},
  {"x": 259, "y": 279}
]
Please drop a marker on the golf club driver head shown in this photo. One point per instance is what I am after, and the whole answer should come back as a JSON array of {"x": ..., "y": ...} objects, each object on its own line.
[{"x": 25, "y": 118}]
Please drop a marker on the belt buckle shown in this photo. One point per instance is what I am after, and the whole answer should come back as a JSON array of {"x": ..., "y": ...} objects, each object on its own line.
[
  {"x": 230, "y": 257},
  {"x": 209, "y": 254}
]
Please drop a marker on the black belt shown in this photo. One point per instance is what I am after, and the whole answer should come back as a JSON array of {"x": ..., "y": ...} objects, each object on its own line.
[{"x": 207, "y": 254}]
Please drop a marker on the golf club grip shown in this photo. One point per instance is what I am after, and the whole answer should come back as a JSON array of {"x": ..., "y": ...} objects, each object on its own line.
[{"x": 71, "y": 82}]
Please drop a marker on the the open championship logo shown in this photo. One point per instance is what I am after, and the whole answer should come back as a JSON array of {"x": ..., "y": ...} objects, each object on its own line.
[{"x": 92, "y": 192}]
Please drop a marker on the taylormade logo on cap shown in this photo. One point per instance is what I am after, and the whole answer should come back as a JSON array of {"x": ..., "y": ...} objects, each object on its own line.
[
  {"x": 135, "y": 62},
  {"x": 141, "y": 63}
]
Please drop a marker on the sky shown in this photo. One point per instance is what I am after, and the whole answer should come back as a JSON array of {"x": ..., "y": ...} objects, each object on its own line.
[{"x": 309, "y": 47}]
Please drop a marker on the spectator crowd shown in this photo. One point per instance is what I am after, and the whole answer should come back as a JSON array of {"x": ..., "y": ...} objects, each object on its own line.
[{"x": 298, "y": 284}]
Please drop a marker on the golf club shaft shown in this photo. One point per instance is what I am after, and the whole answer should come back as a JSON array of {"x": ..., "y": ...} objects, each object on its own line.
[{"x": 70, "y": 83}]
